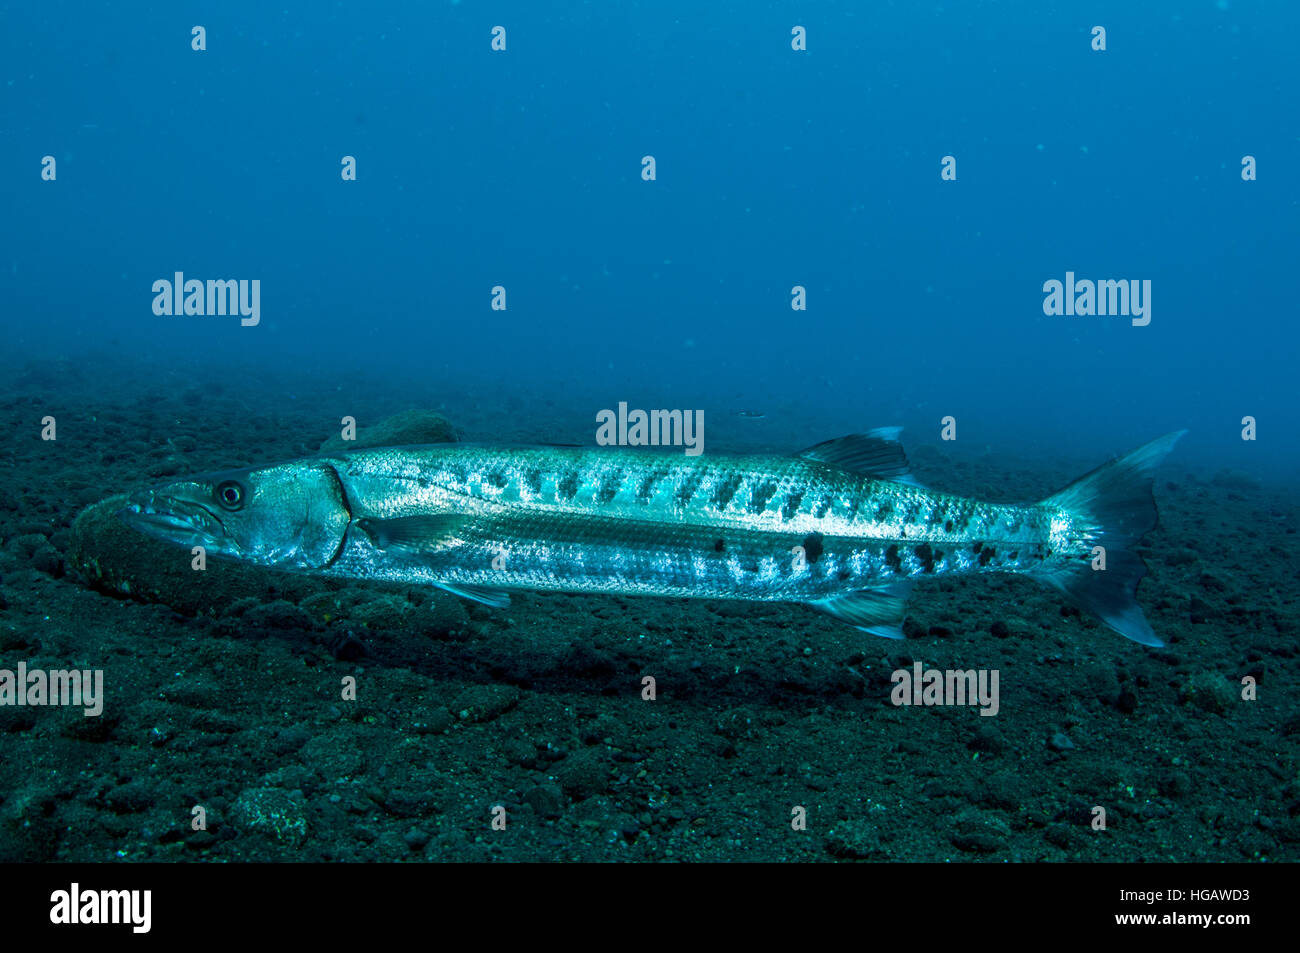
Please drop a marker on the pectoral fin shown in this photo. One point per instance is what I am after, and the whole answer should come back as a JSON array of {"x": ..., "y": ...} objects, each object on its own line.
[
  {"x": 413, "y": 534},
  {"x": 878, "y": 611}
]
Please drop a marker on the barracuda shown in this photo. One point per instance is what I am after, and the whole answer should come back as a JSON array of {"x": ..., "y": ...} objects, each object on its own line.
[{"x": 841, "y": 527}]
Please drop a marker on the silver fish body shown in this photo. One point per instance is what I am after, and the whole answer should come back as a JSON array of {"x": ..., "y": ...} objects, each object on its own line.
[
  {"x": 841, "y": 526},
  {"x": 783, "y": 529}
]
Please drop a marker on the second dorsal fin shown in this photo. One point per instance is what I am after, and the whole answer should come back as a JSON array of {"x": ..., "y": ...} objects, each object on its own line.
[{"x": 876, "y": 453}]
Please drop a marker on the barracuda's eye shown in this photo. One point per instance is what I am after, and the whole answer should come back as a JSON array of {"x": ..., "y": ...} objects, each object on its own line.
[{"x": 230, "y": 495}]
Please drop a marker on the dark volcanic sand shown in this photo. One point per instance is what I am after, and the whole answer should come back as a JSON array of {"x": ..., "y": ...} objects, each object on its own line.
[{"x": 538, "y": 707}]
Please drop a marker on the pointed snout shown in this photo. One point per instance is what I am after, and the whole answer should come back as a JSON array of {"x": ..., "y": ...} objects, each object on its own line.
[{"x": 167, "y": 517}]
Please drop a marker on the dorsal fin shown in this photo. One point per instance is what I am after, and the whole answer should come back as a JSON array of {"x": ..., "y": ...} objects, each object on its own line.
[{"x": 876, "y": 453}]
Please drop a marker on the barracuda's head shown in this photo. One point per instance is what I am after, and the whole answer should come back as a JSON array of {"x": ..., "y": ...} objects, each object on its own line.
[{"x": 291, "y": 516}]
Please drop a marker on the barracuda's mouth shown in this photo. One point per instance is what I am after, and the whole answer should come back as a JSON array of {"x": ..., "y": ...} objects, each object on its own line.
[{"x": 174, "y": 521}]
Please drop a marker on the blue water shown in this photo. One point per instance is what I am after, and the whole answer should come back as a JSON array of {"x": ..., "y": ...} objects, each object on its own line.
[{"x": 775, "y": 168}]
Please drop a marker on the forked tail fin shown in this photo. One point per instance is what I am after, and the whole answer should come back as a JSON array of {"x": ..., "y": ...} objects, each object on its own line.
[{"x": 1115, "y": 506}]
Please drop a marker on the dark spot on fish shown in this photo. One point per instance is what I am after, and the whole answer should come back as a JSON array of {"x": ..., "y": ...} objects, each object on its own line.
[
  {"x": 947, "y": 527},
  {"x": 686, "y": 492},
  {"x": 459, "y": 473},
  {"x": 719, "y": 545},
  {"x": 791, "y": 506},
  {"x": 646, "y": 489},
  {"x": 883, "y": 511},
  {"x": 978, "y": 545},
  {"x": 926, "y": 557},
  {"x": 726, "y": 490},
  {"x": 497, "y": 478},
  {"x": 568, "y": 487},
  {"x": 843, "y": 574},
  {"x": 533, "y": 480},
  {"x": 610, "y": 484},
  {"x": 812, "y": 546},
  {"x": 762, "y": 494},
  {"x": 1015, "y": 555},
  {"x": 892, "y": 559},
  {"x": 938, "y": 556},
  {"x": 986, "y": 555},
  {"x": 823, "y": 507}
]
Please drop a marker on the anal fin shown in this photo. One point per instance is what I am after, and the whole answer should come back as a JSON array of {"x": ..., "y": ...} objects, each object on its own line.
[{"x": 878, "y": 611}]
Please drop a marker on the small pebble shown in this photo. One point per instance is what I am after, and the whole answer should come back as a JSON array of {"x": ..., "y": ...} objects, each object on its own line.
[{"x": 1061, "y": 742}]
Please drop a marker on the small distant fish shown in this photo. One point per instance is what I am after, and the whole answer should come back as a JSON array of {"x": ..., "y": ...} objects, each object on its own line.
[
  {"x": 751, "y": 414},
  {"x": 841, "y": 527}
]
